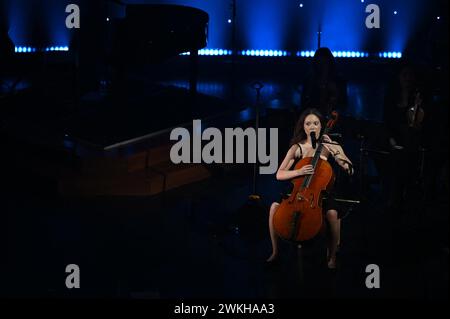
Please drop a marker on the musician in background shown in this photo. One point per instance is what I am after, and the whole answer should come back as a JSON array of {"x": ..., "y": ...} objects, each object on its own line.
[
  {"x": 310, "y": 121},
  {"x": 323, "y": 89},
  {"x": 404, "y": 112},
  {"x": 6, "y": 50}
]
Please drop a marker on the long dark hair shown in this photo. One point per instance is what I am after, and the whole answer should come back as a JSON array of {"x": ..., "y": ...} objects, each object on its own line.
[{"x": 299, "y": 131}]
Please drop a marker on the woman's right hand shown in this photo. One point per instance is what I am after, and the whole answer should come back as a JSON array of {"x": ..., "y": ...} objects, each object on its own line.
[{"x": 305, "y": 170}]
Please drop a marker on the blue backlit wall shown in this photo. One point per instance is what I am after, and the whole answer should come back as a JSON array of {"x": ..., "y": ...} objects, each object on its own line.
[
  {"x": 38, "y": 22},
  {"x": 290, "y": 25}
]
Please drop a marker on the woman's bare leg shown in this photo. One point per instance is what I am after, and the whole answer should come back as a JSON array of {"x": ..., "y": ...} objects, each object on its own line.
[
  {"x": 273, "y": 236},
  {"x": 335, "y": 230}
]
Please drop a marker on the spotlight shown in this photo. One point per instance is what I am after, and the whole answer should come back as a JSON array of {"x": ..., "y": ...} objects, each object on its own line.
[
  {"x": 395, "y": 12},
  {"x": 438, "y": 18},
  {"x": 107, "y": 19},
  {"x": 362, "y": 1},
  {"x": 301, "y": 5},
  {"x": 229, "y": 20}
]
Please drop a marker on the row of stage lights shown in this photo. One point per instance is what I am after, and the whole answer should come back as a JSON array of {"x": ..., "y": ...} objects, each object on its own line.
[
  {"x": 307, "y": 54},
  {"x": 33, "y": 50},
  {"x": 390, "y": 55},
  {"x": 224, "y": 52}
]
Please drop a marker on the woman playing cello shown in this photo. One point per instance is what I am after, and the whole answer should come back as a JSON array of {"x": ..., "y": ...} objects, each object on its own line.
[{"x": 310, "y": 121}]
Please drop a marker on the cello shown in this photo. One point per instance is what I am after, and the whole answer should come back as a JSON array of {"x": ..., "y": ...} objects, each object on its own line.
[{"x": 299, "y": 217}]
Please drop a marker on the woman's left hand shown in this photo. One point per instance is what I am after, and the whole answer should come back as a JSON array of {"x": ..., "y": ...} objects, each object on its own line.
[{"x": 327, "y": 139}]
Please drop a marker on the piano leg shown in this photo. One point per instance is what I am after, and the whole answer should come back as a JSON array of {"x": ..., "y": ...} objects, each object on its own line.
[{"x": 193, "y": 73}]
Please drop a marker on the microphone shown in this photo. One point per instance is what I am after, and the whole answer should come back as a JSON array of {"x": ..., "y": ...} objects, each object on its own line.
[{"x": 313, "y": 140}]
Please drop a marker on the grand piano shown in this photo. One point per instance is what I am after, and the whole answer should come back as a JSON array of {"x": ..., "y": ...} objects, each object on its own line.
[{"x": 140, "y": 37}]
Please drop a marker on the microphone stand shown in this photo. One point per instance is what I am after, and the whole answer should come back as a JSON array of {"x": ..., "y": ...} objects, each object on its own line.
[
  {"x": 233, "y": 50},
  {"x": 251, "y": 218},
  {"x": 257, "y": 86}
]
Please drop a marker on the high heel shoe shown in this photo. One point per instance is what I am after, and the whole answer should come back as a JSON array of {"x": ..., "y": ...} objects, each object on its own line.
[
  {"x": 331, "y": 263},
  {"x": 273, "y": 262}
]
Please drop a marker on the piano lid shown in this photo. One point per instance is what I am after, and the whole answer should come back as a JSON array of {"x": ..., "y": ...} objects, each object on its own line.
[{"x": 154, "y": 32}]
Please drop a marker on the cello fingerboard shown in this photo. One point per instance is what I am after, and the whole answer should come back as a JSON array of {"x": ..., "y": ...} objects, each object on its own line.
[{"x": 307, "y": 180}]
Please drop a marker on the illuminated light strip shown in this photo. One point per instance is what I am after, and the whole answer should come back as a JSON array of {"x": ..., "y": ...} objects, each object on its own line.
[
  {"x": 26, "y": 49},
  {"x": 390, "y": 55},
  {"x": 257, "y": 53},
  {"x": 302, "y": 54}
]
